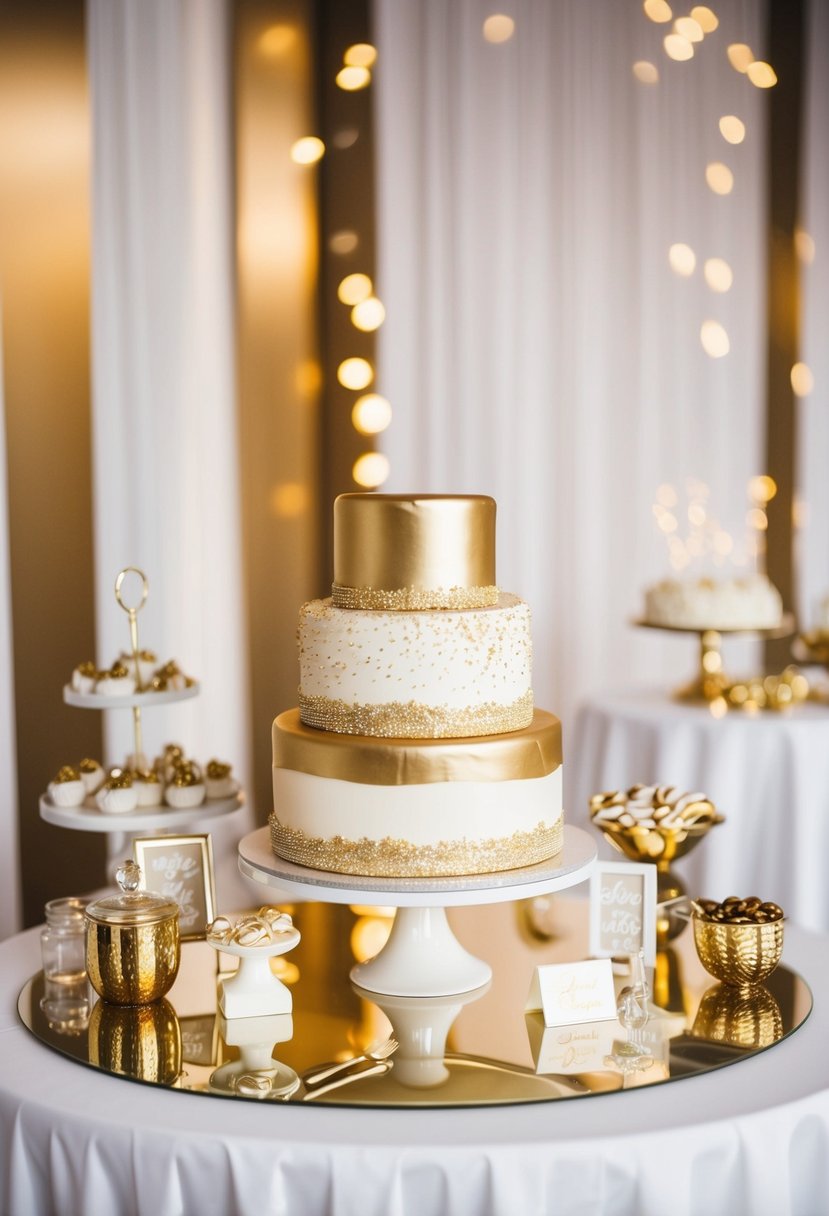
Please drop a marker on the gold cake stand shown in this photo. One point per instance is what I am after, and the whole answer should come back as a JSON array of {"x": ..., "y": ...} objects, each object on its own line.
[{"x": 711, "y": 682}]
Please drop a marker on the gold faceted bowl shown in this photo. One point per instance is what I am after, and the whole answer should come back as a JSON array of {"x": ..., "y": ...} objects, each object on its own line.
[
  {"x": 748, "y": 1018},
  {"x": 742, "y": 956}
]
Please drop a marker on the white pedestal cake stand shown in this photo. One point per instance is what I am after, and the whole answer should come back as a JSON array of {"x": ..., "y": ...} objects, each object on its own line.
[{"x": 422, "y": 956}]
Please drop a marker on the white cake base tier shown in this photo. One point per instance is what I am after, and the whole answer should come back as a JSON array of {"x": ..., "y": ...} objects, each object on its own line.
[
  {"x": 448, "y": 827},
  {"x": 422, "y": 957}
]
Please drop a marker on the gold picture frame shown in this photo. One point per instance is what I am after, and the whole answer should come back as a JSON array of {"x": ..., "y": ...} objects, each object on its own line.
[{"x": 181, "y": 867}]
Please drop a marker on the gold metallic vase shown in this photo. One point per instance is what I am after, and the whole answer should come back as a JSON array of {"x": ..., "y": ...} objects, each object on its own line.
[{"x": 132, "y": 943}]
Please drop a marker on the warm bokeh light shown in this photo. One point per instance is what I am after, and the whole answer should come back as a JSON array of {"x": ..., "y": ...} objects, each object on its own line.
[
  {"x": 804, "y": 246},
  {"x": 368, "y": 315},
  {"x": 762, "y": 75},
  {"x": 682, "y": 259},
  {"x": 723, "y": 544},
  {"x": 740, "y": 56},
  {"x": 353, "y": 78},
  {"x": 307, "y": 151},
  {"x": 289, "y": 500},
  {"x": 666, "y": 522},
  {"x": 354, "y": 288},
  {"x": 277, "y": 40},
  {"x": 732, "y": 128},
  {"x": 756, "y": 518},
  {"x": 371, "y": 470},
  {"x": 343, "y": 242},
  {"x": 499, "y": 28},
  {"x": 677, "y": 47},
  {"x": 645, "y": 71},
  {"x": 714, "y": 339},
  {"x": 360, "y": 55},
  {"x": 355, "y": 373},
  {"x": 658, "y": 11},
  {"x": 697, "y": 514},
  {"x": 666, "y": 495},
  {"x": 308, "y": 378},
  {"x": 688, "y": 28},
  {"x": 762, "y": 488},
  {"x": 719, "y": 177},
  {"x": 371, "y": 414},
  {"x": 718, "y": 274},
  {"x": 802, "y": 380},
  {"x": 706, "y": 19}
]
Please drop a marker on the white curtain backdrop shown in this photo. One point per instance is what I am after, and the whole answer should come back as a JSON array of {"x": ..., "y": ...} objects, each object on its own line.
[
  {"x": 813, "y": 410},
  {"x": 165, "y": 451},
  {"x": 538, "y": 346},
  {"x": 9, "y": 859}
]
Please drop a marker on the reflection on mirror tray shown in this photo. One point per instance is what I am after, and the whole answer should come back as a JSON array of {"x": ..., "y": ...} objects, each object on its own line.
[{"x": 345, "y": 1046}]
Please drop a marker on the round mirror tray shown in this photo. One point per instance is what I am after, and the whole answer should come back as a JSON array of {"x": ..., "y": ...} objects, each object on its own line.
[{"x": 344, "y": 1046}]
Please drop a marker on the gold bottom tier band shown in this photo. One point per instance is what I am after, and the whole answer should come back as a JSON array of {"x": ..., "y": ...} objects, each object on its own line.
[{"x": 393, "y": 858}]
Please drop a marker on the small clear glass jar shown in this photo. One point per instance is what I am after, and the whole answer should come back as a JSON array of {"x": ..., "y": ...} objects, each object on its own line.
[{"x": 63, "y": 941}]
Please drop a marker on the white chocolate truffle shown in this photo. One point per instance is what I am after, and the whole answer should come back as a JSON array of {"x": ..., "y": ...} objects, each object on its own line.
[{"x": 67, "y": 789}]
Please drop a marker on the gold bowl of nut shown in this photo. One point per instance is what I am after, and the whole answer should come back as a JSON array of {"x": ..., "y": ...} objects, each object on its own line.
[
  {"x": 739, "y": 941},
  {"x": 654, "y": 823}
]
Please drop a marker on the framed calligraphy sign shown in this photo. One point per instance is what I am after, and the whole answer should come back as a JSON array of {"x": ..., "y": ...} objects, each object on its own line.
[
  {"x": 623, "y": 910},
  {"x": 180, "y": 867}
]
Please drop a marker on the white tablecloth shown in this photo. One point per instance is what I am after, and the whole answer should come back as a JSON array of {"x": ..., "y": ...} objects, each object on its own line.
[
  {"x": 749, "y": 1140},
  {"x": 769, "y": 776}
]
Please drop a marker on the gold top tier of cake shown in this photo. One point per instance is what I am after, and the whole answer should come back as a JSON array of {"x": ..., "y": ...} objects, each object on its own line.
[{"x": 414, "y": 551}]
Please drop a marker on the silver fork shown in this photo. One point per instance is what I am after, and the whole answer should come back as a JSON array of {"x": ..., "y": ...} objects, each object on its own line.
[{"x": 375, "y": 1054}]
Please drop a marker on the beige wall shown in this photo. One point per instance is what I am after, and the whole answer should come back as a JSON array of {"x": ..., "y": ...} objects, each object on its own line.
[
  {"x": 44, "y": 291},
  {"x": 279, "y": 382}
]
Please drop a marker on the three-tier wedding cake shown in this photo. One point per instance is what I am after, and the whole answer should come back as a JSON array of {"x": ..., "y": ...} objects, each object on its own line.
[{"x": 416, "y": 748}]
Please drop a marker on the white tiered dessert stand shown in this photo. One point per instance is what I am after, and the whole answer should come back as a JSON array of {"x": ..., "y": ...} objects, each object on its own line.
[
  {"x": 422, "y": 957},
  {"x": 120, "y": 826}
]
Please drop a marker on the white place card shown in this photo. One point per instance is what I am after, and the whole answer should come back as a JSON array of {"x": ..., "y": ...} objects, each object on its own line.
[
  {"x": 568, "y": 1050},
  {"x": 569, "y": 993},
  {"x": 623, "y": 910}
]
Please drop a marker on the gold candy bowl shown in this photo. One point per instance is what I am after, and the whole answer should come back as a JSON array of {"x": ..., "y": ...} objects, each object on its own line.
[
  {"x": 662, "y": 845},
  {"x": 748, "y": 1018},
  {"x": 742, "y": 956}
]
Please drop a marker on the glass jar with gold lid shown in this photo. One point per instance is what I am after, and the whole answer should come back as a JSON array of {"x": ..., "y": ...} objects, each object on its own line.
[{"x": 132, "y": 942}]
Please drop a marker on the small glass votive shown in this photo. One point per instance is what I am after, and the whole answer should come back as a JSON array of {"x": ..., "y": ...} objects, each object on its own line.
[{"x": 63, "y": 941}]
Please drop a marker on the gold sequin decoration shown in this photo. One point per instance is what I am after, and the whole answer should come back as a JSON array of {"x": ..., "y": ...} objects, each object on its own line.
[
  {"x": 395, "y": 858},
  {"x": 413, "y": 599},
  {"x": 412, "y": 720}
]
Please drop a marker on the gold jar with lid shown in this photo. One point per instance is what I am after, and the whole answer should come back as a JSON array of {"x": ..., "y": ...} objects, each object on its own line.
[{"x": 132, "y": 942}]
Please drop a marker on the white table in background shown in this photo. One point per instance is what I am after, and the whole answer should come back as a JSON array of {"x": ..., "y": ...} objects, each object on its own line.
[{"x": 768, "y": 774}]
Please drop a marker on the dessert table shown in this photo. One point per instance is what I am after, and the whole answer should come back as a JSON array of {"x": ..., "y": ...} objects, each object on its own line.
[
  {"x": 768, "y": 774},
  {"x": 748, "y": 1138}
]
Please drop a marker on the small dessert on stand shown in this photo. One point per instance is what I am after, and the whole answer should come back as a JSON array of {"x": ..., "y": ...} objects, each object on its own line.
[{"x": 136, "y": 796}]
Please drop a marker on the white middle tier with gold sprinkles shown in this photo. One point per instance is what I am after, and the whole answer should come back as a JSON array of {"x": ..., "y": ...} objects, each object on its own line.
[{"x": 426, "y": 675}]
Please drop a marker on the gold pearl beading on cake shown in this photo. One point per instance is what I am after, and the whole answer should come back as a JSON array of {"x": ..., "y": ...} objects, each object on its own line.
[
  {"x": 411, "y": 720},
  {"x": 413, "y": 599},
  {"x": 396, "y": 858}
]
